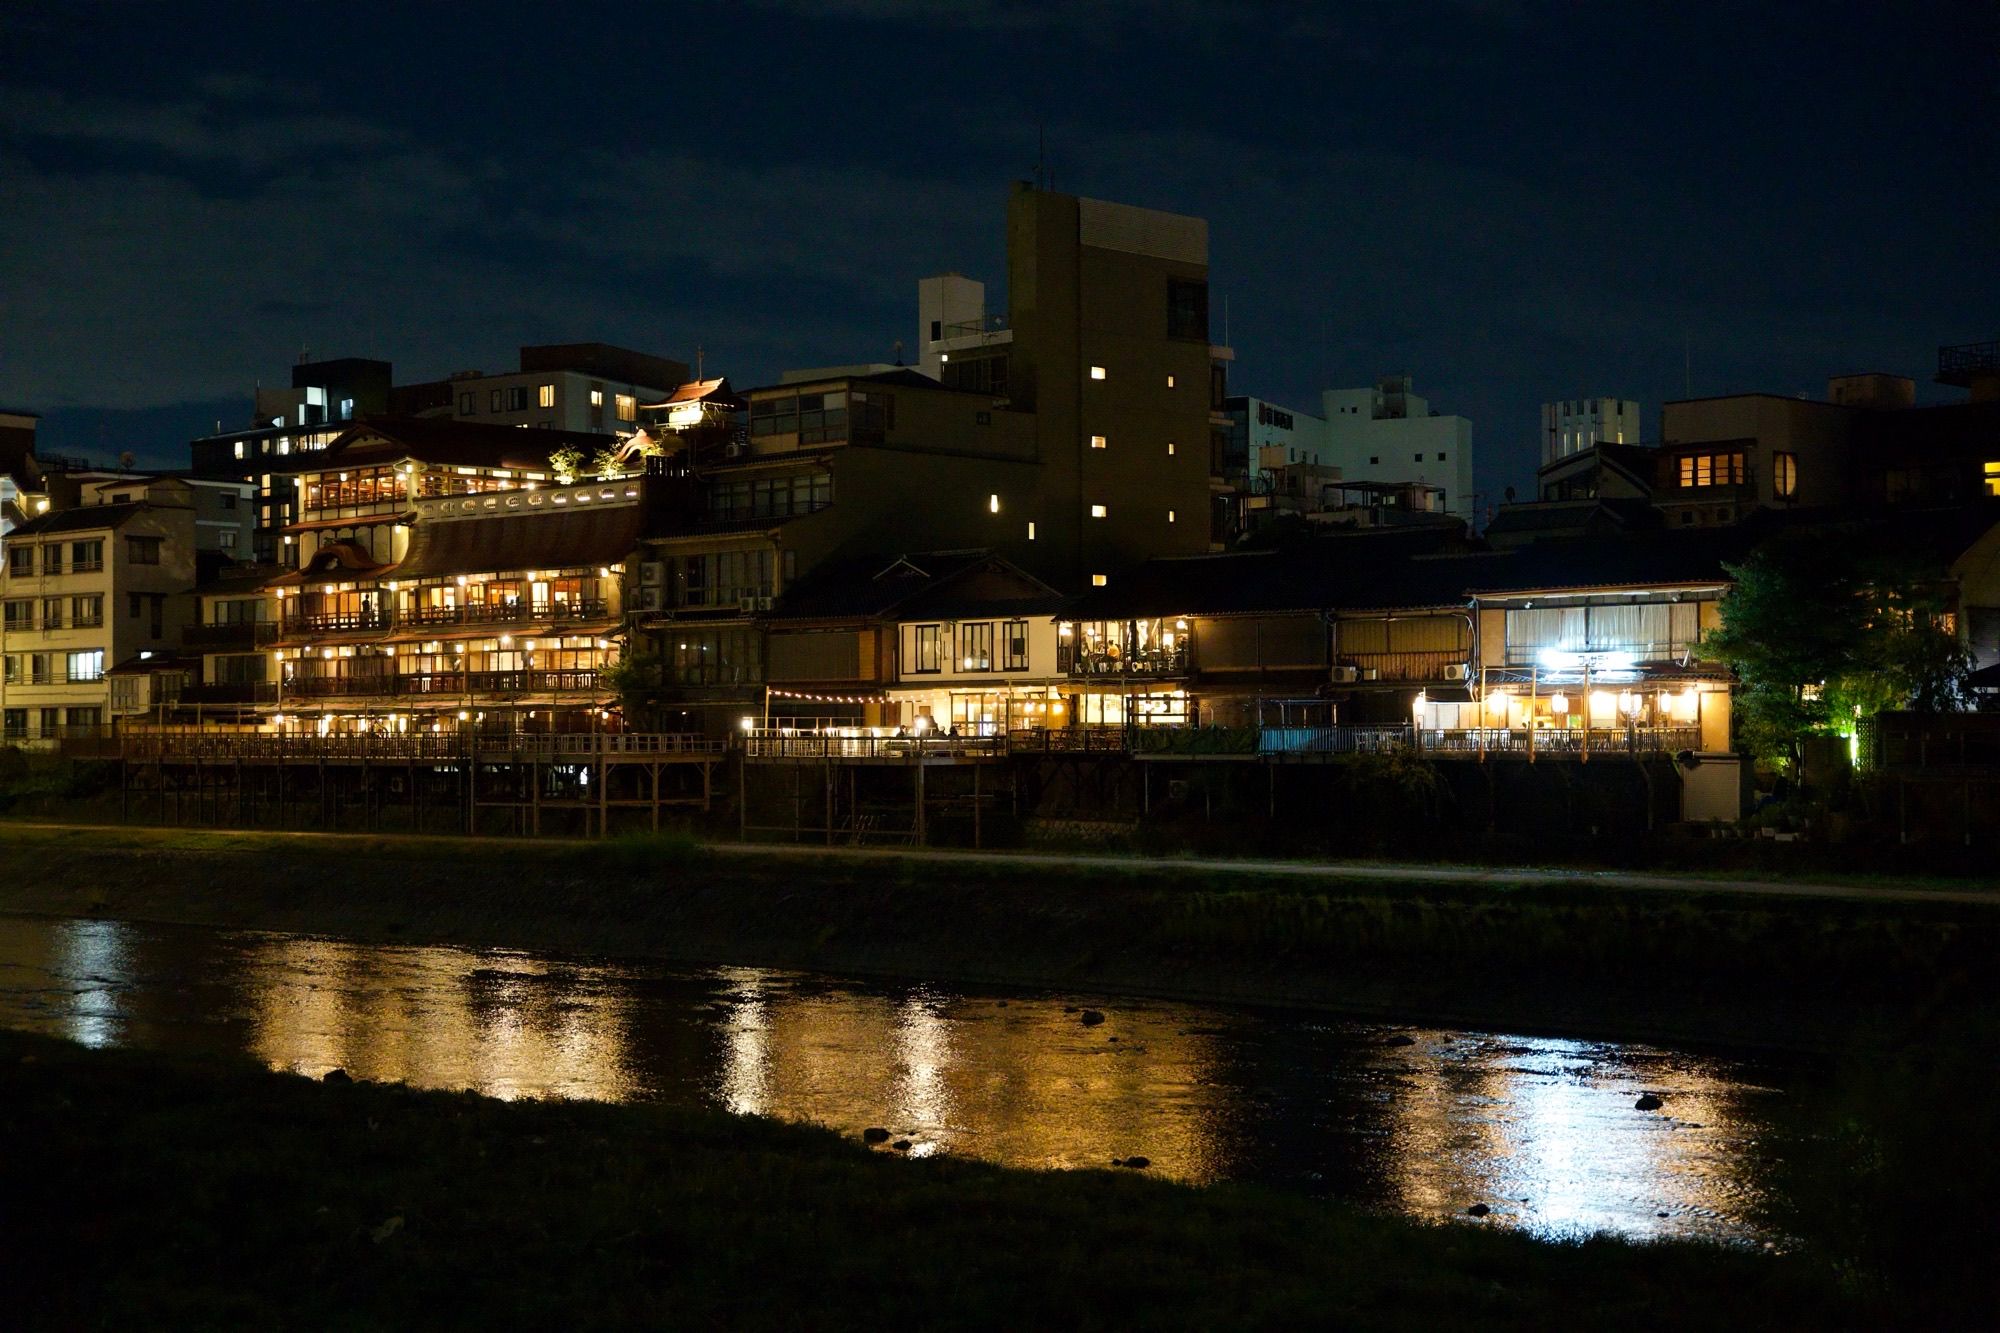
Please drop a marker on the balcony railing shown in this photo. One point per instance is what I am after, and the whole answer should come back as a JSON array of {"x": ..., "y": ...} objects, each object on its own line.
[
  {"x": 507, "y": 613},
  {"x": 338, "y": 622},
  {"x": 1432, "y": 664},
  {"x": 446, "y": 684},
  {"x": 777, "y": 744}
]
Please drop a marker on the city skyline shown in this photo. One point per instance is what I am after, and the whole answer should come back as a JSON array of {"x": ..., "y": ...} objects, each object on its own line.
[{"x": 1447, "y": 191}]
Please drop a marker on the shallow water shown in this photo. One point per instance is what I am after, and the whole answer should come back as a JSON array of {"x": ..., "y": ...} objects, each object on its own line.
[{"x": 1541, "y": 1130}]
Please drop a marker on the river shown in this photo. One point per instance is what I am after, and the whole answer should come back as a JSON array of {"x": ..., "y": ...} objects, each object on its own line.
[{"x": 1425, "y": 1121}]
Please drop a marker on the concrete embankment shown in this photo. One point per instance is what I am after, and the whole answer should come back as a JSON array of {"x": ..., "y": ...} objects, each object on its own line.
[{"x": 1710, "y": 963}]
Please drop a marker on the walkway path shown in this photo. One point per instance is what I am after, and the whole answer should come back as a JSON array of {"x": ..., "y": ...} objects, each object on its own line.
[{"x": 1380, "y": 872}]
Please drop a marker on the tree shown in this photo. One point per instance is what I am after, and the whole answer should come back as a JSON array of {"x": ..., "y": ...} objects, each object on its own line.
[
  {"x": 635, "y": 678},
  {"x": 1822, "y": 635},
  {"x": 566, "y": 462},
  {"x": 607, "y": 465}
]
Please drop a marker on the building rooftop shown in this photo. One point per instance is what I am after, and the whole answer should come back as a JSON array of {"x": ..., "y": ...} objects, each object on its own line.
[{"x": 83, "y": 518}]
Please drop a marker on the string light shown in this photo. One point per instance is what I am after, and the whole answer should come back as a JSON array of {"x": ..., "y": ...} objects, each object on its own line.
[{"x": 828, "y": 698}]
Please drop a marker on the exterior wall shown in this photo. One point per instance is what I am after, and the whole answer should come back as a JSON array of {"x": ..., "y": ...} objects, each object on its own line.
[
  {"x": 1256, "y": 425},
  {"x": 1577, "y": 424},
  {"x": 1088, "y": 286},
  {"x": 1435, "y": 451},
  {"x": 1761, "y": 426},
  {"x": 123, "y": 633},
  {"x": 519, "y": 401}
]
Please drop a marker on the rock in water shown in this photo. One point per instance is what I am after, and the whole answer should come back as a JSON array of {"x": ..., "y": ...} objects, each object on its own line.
[
  {"x": 901, "y": 1145},
  {"x": 1138, "y": 1163},
  {"x": 1478, "y": 1210},
  {"x": 874, "y": 1134},
  {"x": 1647, "y": 1102},
  {"x": 335, "y": 1076},
  {"x": 1400, "y": 1040},
  {"x": 1091, "y": 1018}
]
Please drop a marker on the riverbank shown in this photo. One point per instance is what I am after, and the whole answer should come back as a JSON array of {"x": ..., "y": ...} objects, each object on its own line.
[
  {"x": 165, "y": 1192},
  {"x": 1702, "y": 962}
]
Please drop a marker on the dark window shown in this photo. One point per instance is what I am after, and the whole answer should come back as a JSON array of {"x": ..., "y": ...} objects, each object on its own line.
[
  {"x": 21, "y": 562},
  {"x": 1375, "y": 460},
  {"x": 467, "y": 405},
  {"x": 1187, "y": 310},
  {"x": 52, "y": 558},
  {"x": 229, "y": 500},
  {"x": 1014, "y": 646},
  {"x": 493, "y": 400},
  {"x": 937, "y": 330},
  {"x": 142, "y": 550},
  {"x": 517, "y": 398},
  {"x": 52, "y": 612}
]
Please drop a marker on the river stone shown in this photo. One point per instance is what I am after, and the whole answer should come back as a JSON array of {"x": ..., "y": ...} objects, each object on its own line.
[
  {"x": 335, "y": 1076},
  {"x": 1400, "y": 1040},
  {"x": 1138, "y": 1163},
  {"x": 901, "y": 1145},
  {"x": 1478, "y": 1210},
  {"x": 1647, "y": 1102},
  {"x": 1091, "y": 1018},
  {"x": 874, "y": 1134}
]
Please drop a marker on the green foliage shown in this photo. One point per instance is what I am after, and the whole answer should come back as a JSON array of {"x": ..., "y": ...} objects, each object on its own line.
[
  {"x": 1822, "y": 636},
  {"x": 635, "y": 679},
  {"x": 607, "y": 465},
  {"x": 566, "y": 463}
]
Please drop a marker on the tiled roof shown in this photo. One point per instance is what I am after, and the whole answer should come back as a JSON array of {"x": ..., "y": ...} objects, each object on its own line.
[
  {"x": 563, "y": 539},
  {"x": 83, "y": 518},
  {"x": 336, "y": 562},
  {"x": 923, "y": 585}
]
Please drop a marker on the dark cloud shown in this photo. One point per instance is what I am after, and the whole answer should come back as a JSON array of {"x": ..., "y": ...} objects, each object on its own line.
[{"x": 1511, "y": 210}]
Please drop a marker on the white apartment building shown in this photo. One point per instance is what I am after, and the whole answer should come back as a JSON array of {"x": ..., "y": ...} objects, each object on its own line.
[
  {"x": 584, "y": 387},
  {"x": 82, "y": 590},
  {"x": 1388, "y": 434},
  {"x": 1576, "y": 424}
]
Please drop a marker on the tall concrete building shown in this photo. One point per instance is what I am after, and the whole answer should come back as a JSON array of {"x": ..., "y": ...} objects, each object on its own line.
[
  {"x": 1108, "y": 307},
  {"x": 1576, "y": 424},
  {"x": 1388, "y": 434}
]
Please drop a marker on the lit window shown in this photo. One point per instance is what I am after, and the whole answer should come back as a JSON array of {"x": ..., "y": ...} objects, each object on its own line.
[
  {"x": 1097, "y": 511},
  {"x": 1097, "y": 372},
  {"x": 597, "y": 397},
  {"x": 1170, "y": 516},
  {"x": 1993, "y": 478},
  {"x": 992, "y": 504},
  {"x": 1784, "y": 475},
  {"x": 1170, "y": 381},
  {"x": 1097, "y": 441},
  {"x": 1098, "y": 580},
  {"x": 1172, "y": 448},
  {"x": 547, "y": 395},
  {"x": 1031, "y": 531},
  {"x": 628, "y": 407}
]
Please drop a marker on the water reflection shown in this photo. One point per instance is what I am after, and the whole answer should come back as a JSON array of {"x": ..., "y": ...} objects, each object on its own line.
[{"x": 1542, "y": 1131}]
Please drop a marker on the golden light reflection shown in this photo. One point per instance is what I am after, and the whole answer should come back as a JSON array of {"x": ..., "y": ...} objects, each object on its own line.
[{"x": 1546, "y": 1133}]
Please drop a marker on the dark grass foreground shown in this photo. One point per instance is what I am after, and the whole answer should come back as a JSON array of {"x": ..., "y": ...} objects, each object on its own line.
[{"x": 141, "y": 1192}]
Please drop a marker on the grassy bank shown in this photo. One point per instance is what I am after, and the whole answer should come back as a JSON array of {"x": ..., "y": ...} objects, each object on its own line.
[
  {"x": 1573, "y": 958},
  {"x": 212, "y": 1194}
]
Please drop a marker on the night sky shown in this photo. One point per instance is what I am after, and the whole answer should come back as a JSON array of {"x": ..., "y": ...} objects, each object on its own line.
[{"x": 1513, "y": 202}]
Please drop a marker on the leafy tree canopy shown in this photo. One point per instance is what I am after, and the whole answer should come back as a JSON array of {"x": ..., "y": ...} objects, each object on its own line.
[{"x": 1823, "y": 634}]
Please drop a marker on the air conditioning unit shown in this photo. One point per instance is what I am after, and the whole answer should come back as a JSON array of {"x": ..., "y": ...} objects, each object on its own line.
[
  {"x": 763, "y": 603},
  {"x": 653, "y": 571},
  {"x": 748, "y": 604},
  {"x": 1370, "y": 673},
  {"x": 1458, "y": 671},
  {"x": 651, "y": 599},
  {"x": 1346, "y": 675}
]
